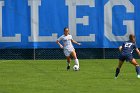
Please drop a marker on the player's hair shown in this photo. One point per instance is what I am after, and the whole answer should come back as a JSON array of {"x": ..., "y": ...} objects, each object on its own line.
[
  {"x": 131, "y": 37},
  {"x": 66, "y": 28}
]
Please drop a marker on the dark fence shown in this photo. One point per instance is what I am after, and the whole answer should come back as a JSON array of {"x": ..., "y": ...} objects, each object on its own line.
[{"x": 82, "y": 53}]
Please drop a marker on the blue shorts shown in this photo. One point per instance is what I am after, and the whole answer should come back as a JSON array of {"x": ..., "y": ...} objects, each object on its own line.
[{"x": 127, "y": 57}]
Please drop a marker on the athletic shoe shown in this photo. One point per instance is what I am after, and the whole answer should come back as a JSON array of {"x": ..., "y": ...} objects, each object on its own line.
[
  {"x": 138, "y": 76},
  {"x": 68, "y": 67}
]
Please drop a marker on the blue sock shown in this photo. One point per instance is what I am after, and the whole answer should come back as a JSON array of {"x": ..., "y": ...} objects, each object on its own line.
[
  {"x": 138, "y": 70},
  {"x": 117, "y": 72}
]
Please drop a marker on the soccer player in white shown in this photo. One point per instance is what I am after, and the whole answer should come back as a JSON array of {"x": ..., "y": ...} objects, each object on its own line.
[{"x": 68, "y": 47}]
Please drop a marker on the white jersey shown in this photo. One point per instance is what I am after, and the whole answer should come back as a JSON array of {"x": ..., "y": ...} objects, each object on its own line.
[{"x": 66, "y": 41}]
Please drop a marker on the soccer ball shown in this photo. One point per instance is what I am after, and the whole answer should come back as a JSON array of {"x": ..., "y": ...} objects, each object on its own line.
[{"x": 75, "y": 67}]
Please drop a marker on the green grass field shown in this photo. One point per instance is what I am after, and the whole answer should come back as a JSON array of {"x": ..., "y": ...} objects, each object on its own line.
[{"x": 50, "y": 76}]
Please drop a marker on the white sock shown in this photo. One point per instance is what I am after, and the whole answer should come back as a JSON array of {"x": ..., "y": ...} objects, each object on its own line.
[
  {"x": 68, "y": 64},
  {"x": 76, "y": 62}
]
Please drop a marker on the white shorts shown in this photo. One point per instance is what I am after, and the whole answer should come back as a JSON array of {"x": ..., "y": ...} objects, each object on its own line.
[{"x": 67, "y": 52}]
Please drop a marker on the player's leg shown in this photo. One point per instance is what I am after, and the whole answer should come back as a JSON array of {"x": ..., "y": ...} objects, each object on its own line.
[
  {"x": 121, "y": 61},
  {"x": 118, "y": 68},
  {"x": 134, "y": 62},
  {"x": 67, "y": 54},
  {"x": 73, "y": 53},
  {"x": 68, "y": 62}
]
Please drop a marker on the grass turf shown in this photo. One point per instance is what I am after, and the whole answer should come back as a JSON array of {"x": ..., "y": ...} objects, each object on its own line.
[{"x": 50, "y": 76}]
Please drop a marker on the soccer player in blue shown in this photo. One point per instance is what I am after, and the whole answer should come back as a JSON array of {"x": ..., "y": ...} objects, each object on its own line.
[{"x": 126, "y": 54}]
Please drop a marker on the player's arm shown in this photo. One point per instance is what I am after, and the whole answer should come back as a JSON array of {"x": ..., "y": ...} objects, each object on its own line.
[
  {"x": 137, "y": 50},
  {"x": 120, "y": 48},
  {"x": 73, "y": 41},
  {"x": 59, "y": 44},
  {"x": 57, "y": 41}
]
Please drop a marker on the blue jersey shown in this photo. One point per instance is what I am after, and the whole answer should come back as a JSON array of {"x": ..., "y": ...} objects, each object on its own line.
[
  {"x": 128, "y": 47},
  {"x": 127, "y": 50}
]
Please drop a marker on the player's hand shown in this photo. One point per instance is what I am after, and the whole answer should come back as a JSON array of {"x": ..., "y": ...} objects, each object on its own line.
[
  {"x": 139, "y": 53},
  {"x": 79, "y": 44},
  {"x": 61, "y": 46}
]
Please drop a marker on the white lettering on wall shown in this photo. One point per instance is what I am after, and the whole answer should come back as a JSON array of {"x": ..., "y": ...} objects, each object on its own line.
[
  {"x": 34, "y": 4},
  {"x": 108, "y": 19},
  {"x": 73, "y": 20},
  {"x": 17, "y": 37}
]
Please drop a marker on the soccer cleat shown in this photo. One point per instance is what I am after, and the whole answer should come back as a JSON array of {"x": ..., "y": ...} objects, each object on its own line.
[
  {"x": 68, "y": 67},
  {"x": 138, "y": 76},
  {"x": 117, "y": 72},
  {"x": 115, "y": 77}
]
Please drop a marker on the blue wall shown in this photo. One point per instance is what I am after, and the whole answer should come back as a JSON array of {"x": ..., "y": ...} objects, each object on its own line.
[{"x": 54, "y": 15}]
